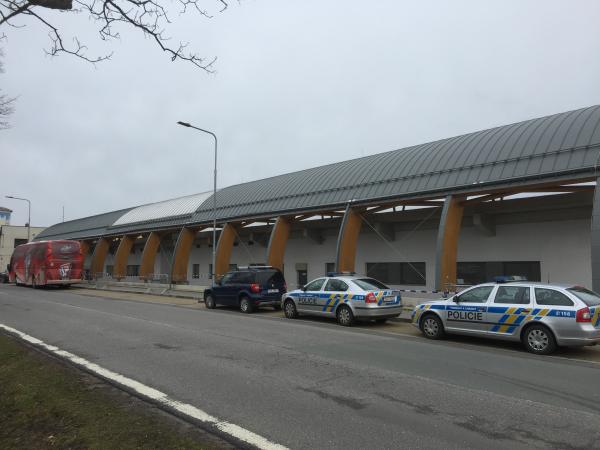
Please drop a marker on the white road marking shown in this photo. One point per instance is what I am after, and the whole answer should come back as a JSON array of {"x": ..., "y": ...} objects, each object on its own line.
[{"x": 150, "y": 393}]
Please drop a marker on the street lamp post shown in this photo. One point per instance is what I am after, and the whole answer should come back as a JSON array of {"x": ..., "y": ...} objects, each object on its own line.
[
  {"x": 214, "y": 252},
  {"x": 28, "y": 218}
]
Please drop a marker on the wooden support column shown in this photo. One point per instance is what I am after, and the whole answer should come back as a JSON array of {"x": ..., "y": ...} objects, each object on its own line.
[
  {"x": 224, "y": 247},
  {"x": 279, "y": 237},
  {"x": 447, "y": 243},
  {"x": 85, "y": 248},
  {"x": 99, "y": 255},
  {"x": 122, "y": 256},
  {"x": 149, "y": 255},
  {"x": 347, "y": 239},
  {"x": 181, "y": 255}
]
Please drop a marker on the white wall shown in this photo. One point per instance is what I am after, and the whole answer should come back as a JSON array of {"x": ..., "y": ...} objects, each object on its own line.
[{"x": 562, "y": 247}]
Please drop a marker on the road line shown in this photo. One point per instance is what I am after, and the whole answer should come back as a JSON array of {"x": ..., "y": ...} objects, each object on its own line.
[{"x": 150, "y": 393}]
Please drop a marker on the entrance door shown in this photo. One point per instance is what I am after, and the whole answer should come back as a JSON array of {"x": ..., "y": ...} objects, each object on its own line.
[{"x": 301, "y": 277}]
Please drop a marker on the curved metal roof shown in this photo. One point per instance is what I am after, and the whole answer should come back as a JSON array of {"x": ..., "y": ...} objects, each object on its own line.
[
  {"x": 539, "y": 148},
  {"x": 81, "y": 228}
]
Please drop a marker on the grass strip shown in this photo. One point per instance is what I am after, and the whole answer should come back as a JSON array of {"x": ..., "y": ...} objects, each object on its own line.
[{"x": 45, "y": 404}]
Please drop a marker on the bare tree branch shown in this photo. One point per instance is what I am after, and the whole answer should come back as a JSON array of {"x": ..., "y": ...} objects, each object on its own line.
[
  {"x": 148, "y": 16},
  {"x": 7, "y": 104}
]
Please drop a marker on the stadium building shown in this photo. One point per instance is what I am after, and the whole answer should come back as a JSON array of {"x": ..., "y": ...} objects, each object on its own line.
[{"x": 512, "y": 200}]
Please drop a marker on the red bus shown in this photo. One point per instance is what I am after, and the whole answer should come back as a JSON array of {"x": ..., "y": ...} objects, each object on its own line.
[{"x": 46, "y": 263}]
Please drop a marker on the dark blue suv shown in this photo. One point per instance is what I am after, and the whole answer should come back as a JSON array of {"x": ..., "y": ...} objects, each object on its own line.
[{"x": 248, "y": 288}]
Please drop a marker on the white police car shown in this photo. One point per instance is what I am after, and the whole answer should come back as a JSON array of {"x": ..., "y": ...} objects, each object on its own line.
[
  {"x": 345, "y": 297},
  {"x": 541, "y": 316}
]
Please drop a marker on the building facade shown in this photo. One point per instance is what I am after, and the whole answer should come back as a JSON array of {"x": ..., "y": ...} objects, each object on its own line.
[{"x": 512, "y": 200}]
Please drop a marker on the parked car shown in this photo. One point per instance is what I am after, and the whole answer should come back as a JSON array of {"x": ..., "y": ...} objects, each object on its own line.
[
  {"x": 247, "y": 288},
  {"x": 345, "y": 297},
  {"x": 3, "y": 277},
  {"x": 541, "y": 316}
]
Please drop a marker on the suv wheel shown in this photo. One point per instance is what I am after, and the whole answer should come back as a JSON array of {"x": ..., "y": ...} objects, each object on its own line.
[
  {"x": 246, "y": 305},
  {"x": 432, "y": 327},
  {"x": 209, "y": 302},
  {"x": 344, "y": 316},
  {"x": 289, "y": 309},
  {"x": 539, "y": 340}
]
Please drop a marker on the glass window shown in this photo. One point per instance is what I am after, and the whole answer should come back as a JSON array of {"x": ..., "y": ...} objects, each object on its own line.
[
  {"x": 241, "y": 278},
  {"x": 336, "y": 285},
  {"x": 227, "y": 278},
  {"x": 269, "y": 277},
  {"x": 315, "y": 285},
  {"x": 550, "y": 297},
  {"x": 512, "y": 294},
  {"x": 329, "y": 267},
  {"x": 195, "y": 270},
  {"x": 588, "y": 297},
  {"x": 476, "y": 295},
  {"x": 369, "y": 284},
  {"x": 409, "y": 273},
  {"x": 133, "y": 270}
]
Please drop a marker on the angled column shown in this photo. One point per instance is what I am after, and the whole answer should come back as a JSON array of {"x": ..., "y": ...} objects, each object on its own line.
[
  {"x": 121, "y": 257},
  {"x": 224, "y": 247},
  {"x": 595, "y": 240},
  {"x": 447, "y": 243},
  {"x": 181, "y": 255},
  {"x": 279, "y": 237},
  {"x": 85, "y": 248},
  {"x": 149, "y": 255},
  {"x": 99, "y": 255},
  {"x": 347, "y": 239}
]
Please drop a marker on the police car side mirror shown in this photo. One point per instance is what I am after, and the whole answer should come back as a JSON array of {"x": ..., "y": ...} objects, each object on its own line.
[
  {"x": 456, "y": 299},
  {"x": 303, "y": 288}
]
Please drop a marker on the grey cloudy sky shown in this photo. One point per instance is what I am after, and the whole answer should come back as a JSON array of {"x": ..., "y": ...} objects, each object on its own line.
[{"x": 298, "y": 84}]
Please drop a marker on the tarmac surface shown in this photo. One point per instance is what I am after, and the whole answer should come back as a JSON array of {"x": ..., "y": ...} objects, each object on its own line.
[{"x": 310, "y": 383}]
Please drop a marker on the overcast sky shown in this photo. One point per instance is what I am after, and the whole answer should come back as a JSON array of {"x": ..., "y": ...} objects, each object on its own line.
[{"x": 297, "y": 84}]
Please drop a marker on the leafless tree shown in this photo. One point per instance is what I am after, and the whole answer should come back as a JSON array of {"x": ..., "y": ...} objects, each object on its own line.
[
  {"x": 7, "y": 104},
  {"x": 149, "y": 17}
]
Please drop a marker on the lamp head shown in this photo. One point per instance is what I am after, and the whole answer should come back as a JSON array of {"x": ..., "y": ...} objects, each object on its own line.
[{"x": 184, "y": 124}]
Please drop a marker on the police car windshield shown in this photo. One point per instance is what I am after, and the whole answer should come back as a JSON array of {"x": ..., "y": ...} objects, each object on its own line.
[
  {"x": 369, "y": 283},
  {"x": 588, "y": 297}
]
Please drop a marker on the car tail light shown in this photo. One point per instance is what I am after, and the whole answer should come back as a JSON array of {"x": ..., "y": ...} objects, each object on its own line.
[
  {"x": 370, "y": 298},
  {"x": 255, "y": 288},
  {"x": 583, "y": 315}
]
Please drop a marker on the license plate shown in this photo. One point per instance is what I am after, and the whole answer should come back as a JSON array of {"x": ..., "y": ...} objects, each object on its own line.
[
  {"x": 273, "y": 291},
  {"x": 389, "y": 299}
]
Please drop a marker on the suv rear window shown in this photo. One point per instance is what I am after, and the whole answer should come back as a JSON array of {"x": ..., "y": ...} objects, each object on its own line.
[
  {"x": 269, "y": 277},
  {"x": 369, "y": 284},
  {"x": 588, "y": 297}
]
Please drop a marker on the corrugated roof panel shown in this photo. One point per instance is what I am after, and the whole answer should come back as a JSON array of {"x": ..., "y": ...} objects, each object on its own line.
[{"x": 162, "y": 210}]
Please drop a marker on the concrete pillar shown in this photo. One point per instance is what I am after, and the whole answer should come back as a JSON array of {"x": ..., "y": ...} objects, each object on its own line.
[{"x": 447, "y": 243}]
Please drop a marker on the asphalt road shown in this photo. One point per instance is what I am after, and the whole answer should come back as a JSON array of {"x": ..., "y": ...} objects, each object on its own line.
[{"x": 313, "y": 384}]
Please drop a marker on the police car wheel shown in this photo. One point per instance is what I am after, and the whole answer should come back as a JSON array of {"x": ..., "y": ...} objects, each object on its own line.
[
  {"x": 344, "y": 316},
  {"x": 246, "y": 305},
  {"x": 539, "y": 340},
  {"x": 209, "y": 302},
  {"x": 432, "y": 327},
  {"x": 289, "y": 309}
]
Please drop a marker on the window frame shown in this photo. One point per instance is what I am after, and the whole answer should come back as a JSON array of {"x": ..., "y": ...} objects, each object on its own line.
[
  {"x": 312, "y": 281},
  {"x": 329, "y": 280},
  {"x": 487, "y": 300},
  {"x": 513, "y": 286}
]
